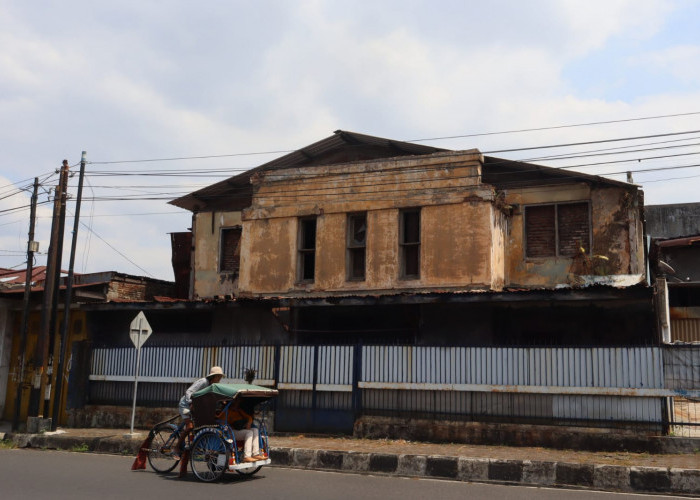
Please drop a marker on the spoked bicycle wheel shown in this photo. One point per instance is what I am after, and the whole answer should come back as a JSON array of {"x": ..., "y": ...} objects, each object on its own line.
[
  {"x": 250, "y": 471},
  {"x": 209, "y": 455},
  {"x": 160, "y": 452}
]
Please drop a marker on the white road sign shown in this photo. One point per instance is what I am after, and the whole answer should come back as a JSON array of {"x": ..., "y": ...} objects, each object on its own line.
[{"x": 140, "y": 330}]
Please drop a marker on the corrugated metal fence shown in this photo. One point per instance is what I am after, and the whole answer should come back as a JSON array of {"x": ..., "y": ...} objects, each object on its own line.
[{"x": 600, "y": 385}]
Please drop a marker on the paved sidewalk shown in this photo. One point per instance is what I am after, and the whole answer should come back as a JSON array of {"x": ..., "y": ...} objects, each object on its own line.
[{"x": 610, "y": 471}]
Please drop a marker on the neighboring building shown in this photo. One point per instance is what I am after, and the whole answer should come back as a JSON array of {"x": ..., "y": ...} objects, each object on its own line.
[
  {"x": 672, "y": 221},
  {"x": 359, "y": 238},
  {"x": 106, "y": 288},
  {"x": 675, "y": 259}
]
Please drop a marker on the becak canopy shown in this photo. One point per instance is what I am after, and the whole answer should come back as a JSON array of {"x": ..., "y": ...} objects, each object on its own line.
[{"x": 208, "y": 401}]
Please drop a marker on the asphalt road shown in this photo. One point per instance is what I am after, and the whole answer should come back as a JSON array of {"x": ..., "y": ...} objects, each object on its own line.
[{"x": 55, "y": 475}]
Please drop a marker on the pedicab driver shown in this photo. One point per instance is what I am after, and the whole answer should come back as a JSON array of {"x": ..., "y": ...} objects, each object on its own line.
[{"x": 214, "y": 377}]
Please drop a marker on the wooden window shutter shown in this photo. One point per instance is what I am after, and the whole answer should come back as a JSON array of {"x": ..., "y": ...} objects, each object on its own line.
[
  {"x": 573, "y": 225},
  {"x": 540, "y": 231}
]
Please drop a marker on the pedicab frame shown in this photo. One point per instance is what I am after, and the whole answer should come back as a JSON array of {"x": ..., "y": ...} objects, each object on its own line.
[{"x": 211, "y": 447}]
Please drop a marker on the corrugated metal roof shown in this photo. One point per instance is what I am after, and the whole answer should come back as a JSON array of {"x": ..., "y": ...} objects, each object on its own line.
[
  {"x": 513, "y": 174},
  {"x": 303, "y": 156},
  {"x": 236, "y": 192}
]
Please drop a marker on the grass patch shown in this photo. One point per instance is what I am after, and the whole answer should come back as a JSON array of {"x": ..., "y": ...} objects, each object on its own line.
[
  {"x": 6, "y": 444},
  {"x": 80, "y": 448}
]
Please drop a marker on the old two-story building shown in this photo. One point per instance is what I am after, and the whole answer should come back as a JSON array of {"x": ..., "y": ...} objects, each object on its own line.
[{"x": 357, "y": 238}]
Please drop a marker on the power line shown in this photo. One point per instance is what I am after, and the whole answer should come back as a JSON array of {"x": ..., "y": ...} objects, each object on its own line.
[
  {"x": 538, "y": 129},
  {"x": 585, "y": 143},
  {"x": 347, "y": 189},
  {"x": 314, "y": 192},
  {"x": 424, "y": 168},
  {"x": 92, "y": 231},
  {"x": 204, "y": 157}
]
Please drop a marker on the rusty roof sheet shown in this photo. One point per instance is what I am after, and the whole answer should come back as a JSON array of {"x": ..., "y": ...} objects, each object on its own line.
[
  {"x": 679, "y": 242},
  {"x": 301, "y": 157}
]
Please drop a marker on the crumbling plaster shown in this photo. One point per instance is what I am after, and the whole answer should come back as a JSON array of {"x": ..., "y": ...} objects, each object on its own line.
[
  {"x": 616, "y": 235},
  {"x": 208, "y": 281}
]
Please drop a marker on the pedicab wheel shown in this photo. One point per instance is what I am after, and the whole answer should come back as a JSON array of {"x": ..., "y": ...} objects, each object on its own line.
[
  {"x": 160, "y": 452},
  {"x": 209, "y": 455},
  {"x": 249, "y": 472}
]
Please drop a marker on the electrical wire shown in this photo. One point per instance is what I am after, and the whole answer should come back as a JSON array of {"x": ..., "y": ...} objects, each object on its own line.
[
  {"x": 202, "y": 157},
  {"x": 91, "y": 219},
  {"x": 539, "y": 129},
  {"x": 113, "y": 248}
]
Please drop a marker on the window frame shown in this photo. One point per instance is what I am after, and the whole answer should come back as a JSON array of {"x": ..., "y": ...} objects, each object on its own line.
[
  {"x": 222, "y": 230},
  {"x": 404, "y": 245},
  {"x": 557, "y": 242},
  {"x": 303, "y": 252},
  {"x": 351, "y": 248}
]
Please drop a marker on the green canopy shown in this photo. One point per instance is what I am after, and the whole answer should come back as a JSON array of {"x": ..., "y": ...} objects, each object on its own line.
[
  {"x": 206, "y": 404},
  {"x": 233, "y": 390}
]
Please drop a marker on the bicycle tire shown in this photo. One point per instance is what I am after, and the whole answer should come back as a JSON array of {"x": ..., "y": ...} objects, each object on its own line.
[
  {"x": 209, "y": 455},
  {"x": 160, "y": 452},
  {"x": 249, "y": 472}
]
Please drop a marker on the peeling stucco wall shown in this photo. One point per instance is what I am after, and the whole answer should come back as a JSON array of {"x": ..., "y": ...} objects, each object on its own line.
[
  {"x": 616, "y": 234},
  {"x": 461, "y": 242},
  {"x": 267, "y": 255},
  {"x": 208, "y": 281},
  {"x": 472, "y": 238}
]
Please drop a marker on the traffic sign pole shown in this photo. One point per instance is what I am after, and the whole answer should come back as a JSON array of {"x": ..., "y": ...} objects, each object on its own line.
[
  {"x": 136, "y": 377},
  {"x": 139, "y": 332}
]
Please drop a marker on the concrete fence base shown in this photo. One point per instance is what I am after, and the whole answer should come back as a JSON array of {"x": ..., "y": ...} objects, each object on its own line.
[{"x": 547, "y": 436}]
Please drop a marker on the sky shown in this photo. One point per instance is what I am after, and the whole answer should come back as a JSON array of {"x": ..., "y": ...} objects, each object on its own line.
[{"x": 153, "y": 80}]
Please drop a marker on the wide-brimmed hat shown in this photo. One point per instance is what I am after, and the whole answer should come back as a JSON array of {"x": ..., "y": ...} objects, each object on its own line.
[{"x": 216, "y": 370}]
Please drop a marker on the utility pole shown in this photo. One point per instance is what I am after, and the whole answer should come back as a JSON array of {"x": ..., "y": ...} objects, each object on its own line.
[
  {"x": 32, "y": 246},
  {"x": 62, "y": 354},
  {"x": 50, "y": 361},
  {"x": 41, "y": 353}
]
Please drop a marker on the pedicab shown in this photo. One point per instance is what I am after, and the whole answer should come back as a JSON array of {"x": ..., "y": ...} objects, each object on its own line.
[{"x": 211, "y": 448}]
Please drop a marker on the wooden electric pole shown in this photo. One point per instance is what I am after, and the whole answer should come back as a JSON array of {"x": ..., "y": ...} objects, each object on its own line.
[
  {"x": 41, "y": 353},
  {"x": 32, "y": 246},
  {"x": 62, "y": 354}
]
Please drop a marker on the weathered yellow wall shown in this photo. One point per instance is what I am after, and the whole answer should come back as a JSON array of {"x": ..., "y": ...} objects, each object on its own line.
[
  {"x": 330, "y": 258},
  {"x": 498, "y": 250},
  {"x": 77, "y": 331},
  {"x": 208, "y": 281},
  {"x": 268, "y": 254},
  {"x": 467, "y": 242},
  {"x": 612, "y": 214},
  {"x": 382, "y": 248},
  {"x": 459, "y": 244},
  {"x": 456, "y": 251}
]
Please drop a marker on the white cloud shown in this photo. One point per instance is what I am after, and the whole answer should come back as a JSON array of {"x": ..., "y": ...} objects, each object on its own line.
[
  {"x": 589, "y": 25},
  {"x": 681, "y": 62},
  {"x": 135, "y": 80}
]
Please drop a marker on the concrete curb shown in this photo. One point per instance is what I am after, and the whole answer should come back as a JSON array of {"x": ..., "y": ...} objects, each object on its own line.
[
  {"x": 523, "y": 472},
  {"x": 520, "y": 472}
]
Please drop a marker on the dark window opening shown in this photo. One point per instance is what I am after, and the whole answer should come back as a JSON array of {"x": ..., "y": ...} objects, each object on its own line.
[
  {"x": 230, "y": 251},
  {"x": 307, "y": 249},
  {"x": 557, "y": 230},
  {"x": 409, "y": 243},
  {"x": 356, "y": 246}
]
